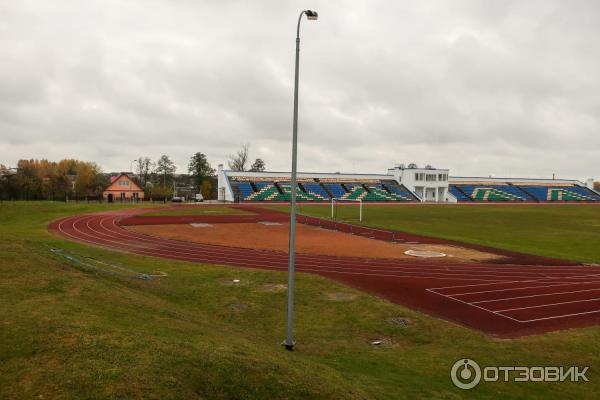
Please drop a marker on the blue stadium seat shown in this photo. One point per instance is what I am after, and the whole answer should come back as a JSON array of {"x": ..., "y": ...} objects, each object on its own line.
[
  {"x": 485, "y": 192},
  {"x": 316, "y": 188},
  {"x": 262, "y": 184},
  {"x": 584, "y": 191},
  {"x": 244, "y": 188},
  {"x": 460, "y": 196},
  {"x": 399, "y": 190},
  {"x": 561, "y": 193},
  {"x": 336, "y": 189},
  {"x": 351, "y": 186}
]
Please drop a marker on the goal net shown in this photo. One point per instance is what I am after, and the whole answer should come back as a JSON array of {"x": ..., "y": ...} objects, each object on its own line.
[{"x": 347, "y": 209}]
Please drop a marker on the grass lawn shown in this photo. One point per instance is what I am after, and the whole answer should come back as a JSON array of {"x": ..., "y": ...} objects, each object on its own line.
[
  {"x": 198, "y": 210},
  {"x": 567, "y": 231},
  {"x": 69, "y": 333}
]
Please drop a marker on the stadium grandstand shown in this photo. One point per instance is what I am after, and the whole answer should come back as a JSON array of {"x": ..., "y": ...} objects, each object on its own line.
[
  {"x": 401, "y": 185},
  {"x": 521, "y": 190}
]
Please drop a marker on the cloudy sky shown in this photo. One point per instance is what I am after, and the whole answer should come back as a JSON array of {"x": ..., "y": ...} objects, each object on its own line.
[{"x": 504, "y": 88}]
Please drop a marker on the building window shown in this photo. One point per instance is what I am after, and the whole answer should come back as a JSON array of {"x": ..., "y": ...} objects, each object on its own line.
[{"x": 431, "y": 178}]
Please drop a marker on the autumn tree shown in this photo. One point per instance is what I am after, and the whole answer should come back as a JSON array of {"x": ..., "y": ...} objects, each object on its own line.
[
  {"x": 87, "y": 181},
  {"x": 30, "y": 179},
  {"x": 44, "y": 179},
  {"x": 206, "y": 188},
  {"x": 200, "y": 169}
]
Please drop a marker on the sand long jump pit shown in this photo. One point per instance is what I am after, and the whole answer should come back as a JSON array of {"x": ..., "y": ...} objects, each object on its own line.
[{"x": 309, "y": 240}]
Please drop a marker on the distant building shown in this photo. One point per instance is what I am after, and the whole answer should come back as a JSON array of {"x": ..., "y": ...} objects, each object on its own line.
[
  {"x": 429, "y": 183},
  {"x": 122, "y": 188}
]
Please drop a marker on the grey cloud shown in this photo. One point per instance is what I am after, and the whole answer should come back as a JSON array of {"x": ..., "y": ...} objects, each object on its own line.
[{"x": 481, "y": 87}]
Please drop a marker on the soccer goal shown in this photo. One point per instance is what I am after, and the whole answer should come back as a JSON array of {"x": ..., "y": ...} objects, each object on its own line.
[{"x": 346, "y": 209}]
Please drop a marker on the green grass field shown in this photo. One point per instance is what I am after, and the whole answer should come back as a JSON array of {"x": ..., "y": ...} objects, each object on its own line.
[
  {"x": 69, "y": 333},
  {"x": 567, "y": 231}
]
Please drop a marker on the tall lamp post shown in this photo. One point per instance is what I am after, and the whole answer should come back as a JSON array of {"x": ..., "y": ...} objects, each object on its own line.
[{"x": 289, "y": 337}]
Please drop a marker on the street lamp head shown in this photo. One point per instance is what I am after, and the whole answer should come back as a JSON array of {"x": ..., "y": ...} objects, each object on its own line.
[{"x": 311, "y": 15}]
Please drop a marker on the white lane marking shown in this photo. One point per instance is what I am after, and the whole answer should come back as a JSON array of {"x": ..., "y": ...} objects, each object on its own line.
[
  {"x": 547, "y": 305},
  {"x": 559, "y": 316},
  {"x": 522, "y": 288},
  {"x": 535, "y": 295},
  {"x": 474, "y": 305}
]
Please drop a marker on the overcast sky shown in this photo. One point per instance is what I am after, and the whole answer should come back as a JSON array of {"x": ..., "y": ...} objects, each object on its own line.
[{"x": 504, "y": 88}]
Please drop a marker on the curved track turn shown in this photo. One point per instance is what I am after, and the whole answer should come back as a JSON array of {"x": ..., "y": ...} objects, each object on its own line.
[{"x": 506, "y": 300}]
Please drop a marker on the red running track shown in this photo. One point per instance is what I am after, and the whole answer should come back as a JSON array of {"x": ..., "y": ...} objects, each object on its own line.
[{"x": 506, "y": 300}]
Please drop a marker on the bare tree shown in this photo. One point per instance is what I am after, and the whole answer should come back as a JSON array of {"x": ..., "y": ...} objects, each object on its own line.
[
  {"x": 143, "y": 166},
  {"x": 238, "y": 161}
]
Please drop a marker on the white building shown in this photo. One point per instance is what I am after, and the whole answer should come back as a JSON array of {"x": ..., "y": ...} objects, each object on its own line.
[{"x": 429, "y": 184}]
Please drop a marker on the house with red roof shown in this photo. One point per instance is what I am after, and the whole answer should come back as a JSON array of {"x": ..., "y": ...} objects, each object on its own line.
[{"x": 122, "y": 188}]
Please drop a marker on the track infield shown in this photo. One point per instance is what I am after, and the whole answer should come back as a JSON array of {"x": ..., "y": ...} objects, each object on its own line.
[{"x": 513, "y": 295}]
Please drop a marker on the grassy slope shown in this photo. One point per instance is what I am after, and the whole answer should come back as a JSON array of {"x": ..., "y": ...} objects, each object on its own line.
[
  {"x": 66, "y": 333},
  {"x": 562, "y": 231}
]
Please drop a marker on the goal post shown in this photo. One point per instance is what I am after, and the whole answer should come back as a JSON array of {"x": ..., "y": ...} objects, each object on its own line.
[{"x": 336, "y": 201}]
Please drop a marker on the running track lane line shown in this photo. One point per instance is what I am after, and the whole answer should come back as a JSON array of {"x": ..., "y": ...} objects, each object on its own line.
[
  {"x": 95, "y": 232},
  {"x": 262, "y": 260}
]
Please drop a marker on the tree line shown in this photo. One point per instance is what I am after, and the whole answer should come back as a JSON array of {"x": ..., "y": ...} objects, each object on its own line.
[
  {"x": 48, "y": 180},
  {"x": 35, "y": 179}
]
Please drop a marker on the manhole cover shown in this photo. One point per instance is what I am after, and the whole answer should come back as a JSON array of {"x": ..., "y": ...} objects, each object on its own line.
[{"x": 424, "y": 253}]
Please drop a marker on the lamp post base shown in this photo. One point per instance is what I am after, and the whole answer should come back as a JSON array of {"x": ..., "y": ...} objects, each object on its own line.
[{"x": 288, "y": 346}]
